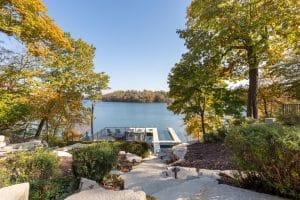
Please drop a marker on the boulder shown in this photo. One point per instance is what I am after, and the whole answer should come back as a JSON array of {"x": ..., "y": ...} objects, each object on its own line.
[
  {"x": 133, "y": 158},
  {"x": 2, "y": 138},
  {"x": 99, "y": 194},
  {"x": 62, "y": 154},
  {"x": 87, "y": 184},
  {"x": 270, "y": 120},
  {"x": 180, "y": 150},
  {"x": 2, "y": 144},
  {"x": 15, "y": 192},
  {"x": 182, "y": 173},
  {"x": 27, "y": 145},
  {"x": 116, "y": 172},
  {"x": 70, "y": 147}
]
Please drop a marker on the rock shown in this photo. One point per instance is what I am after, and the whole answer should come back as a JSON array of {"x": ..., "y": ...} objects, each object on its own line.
[
  {"x": 62, "y": 153},
  {"x": 96, "y": 194},
  {"x": 26, "y": 145},
  {"x": 87, "y": 184},
  {"x": 180, "y": 150},
  {"x": 2, "y": 138},
  {"x": 183, "y": 173},
  {"x": 133, "y": 158},
  {"x": 116, "y": 172},
  {"x": 2, "y": 144},
  {"x": 7, "y": 149},
  {"x": 221, "y": 191},
  {"x": 185, "y": 188},
  {"x": 15, "y": 192},
  {"x": 70, "y": 147},
  {"x": 270, "y": 120}
]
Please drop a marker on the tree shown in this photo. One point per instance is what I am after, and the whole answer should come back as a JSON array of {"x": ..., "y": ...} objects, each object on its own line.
[
  {"x": 247, "y": 33},
  {"x": 200, "y": 95},
  {"x": 269, "y": 92},
  {"x": 288, "y": 72},
  {"x": 15, "y": 71},
  {"x": 27, "y": 21},
  {"x": 66, "y": 82}
]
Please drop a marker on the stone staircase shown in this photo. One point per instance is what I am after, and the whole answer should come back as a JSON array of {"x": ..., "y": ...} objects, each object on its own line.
[{"x": 150, "y": 177}]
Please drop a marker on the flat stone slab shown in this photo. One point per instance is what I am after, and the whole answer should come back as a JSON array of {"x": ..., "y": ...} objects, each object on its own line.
[
  {"x": 191, "y": 185},
  {"x": 70, "y": 147},
  {"x": 15, "y": 192},
  {"x": 62, "y": 154},
  {"x": 96, "y": 194},
  {"x": 222, "y": 192}
]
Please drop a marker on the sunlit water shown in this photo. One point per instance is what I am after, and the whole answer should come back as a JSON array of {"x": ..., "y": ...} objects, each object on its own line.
[{"x": 115, "y": 114}]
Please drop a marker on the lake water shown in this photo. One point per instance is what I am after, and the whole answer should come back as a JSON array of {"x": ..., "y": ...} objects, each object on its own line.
[{"x": 115, "y": 114}]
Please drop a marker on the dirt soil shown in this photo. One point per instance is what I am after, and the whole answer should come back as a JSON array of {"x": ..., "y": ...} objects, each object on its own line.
[{"x": 208, "y": 156}]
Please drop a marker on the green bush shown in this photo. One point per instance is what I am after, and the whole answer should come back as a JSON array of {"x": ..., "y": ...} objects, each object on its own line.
[
  {"x": 216, "y": 136},
  {"x": 291, "y": 119},
  {"x": 269, "y": 156},
  {"x": 56, "y": 188},
  {"x": 55, "y": 141},
  {"x": 40, "y": 168},
  {"x": 138, "y": 148},
  {"x": 94, "y": 161}
]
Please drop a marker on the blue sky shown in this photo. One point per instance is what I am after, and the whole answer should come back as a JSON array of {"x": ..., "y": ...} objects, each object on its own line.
[{"x": 136, "y": 40}]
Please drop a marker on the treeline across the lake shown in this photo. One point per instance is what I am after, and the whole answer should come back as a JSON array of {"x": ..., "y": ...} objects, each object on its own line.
[{"x": 145, "y": 96}]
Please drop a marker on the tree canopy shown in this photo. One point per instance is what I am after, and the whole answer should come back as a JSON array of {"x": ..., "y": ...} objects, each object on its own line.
[
  {"x": 42, "y": 89},
  {"x": 242, "y": 37},
  {"x": 200, "y": 95}
]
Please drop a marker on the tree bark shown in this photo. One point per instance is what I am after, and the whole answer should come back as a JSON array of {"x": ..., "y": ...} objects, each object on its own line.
[
  {"x": 40, "y": 128},
  {"x": 202, "y": 123},
  {"x": 252, "y": 109},
  {"x": 92, "y": 122},
  {"x": 265, "y": 107}
]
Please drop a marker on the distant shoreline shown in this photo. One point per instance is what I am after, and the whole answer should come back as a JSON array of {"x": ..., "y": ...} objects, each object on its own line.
[
  {"x": 129, "y": 102},
  {"x": 135, "y": 96}
]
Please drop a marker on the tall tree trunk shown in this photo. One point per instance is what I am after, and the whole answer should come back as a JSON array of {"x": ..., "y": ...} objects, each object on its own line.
[
  {"x": 202, "y": 123},
  {"x": 265, "y": 107},
  {"x": 40, "y": 128},
  {"x": 252, "y": 109},
  {"x": 92, "y": 122}
]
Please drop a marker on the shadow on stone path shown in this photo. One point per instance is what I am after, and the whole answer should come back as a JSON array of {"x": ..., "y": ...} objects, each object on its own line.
[{"x": 148, "y": 177}]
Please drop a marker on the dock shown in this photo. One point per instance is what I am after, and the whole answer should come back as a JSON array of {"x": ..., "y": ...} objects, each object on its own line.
[{"x": 159, "y": 141}]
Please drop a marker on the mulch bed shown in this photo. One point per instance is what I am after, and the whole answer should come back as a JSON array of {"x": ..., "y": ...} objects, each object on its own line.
[{"x": 213, "y": 156}]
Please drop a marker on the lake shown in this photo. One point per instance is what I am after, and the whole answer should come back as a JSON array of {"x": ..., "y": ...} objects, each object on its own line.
[{"x": 117, "y": 114}]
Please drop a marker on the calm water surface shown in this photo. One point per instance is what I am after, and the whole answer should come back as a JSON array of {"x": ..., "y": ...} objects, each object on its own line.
[{"x": 115, "y": 114}]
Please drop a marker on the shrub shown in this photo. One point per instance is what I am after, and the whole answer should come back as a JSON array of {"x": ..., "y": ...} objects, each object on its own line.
[
  {"x": 40, "y": 168},
  {"x": 216, "y": 136},
  {"x": 56, "y": 188},
  {"x": 94, "y": 161},
  {"x": 291, "y": 119},
  {"x": 56, "y": 142},
  {"x": 269, "y": 156},
  {"x": 138, "y": 148}
]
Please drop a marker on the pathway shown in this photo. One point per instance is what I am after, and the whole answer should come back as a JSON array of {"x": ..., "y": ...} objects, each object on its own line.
[{"x": 148, "y": 176}]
